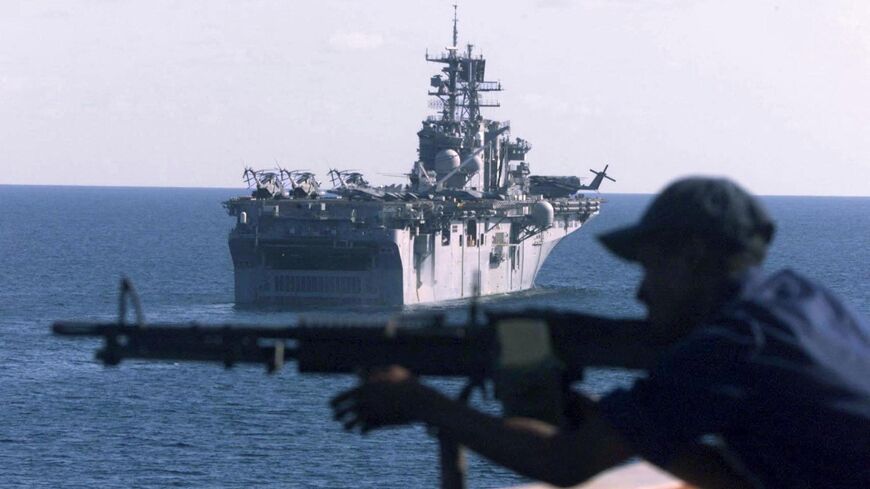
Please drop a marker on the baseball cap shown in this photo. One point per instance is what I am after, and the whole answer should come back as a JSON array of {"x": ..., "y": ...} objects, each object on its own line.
[{"x": 716, "y": 210}]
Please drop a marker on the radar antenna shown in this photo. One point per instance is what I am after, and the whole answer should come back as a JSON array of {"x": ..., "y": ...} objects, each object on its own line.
[{"x": 455, "y": 22}]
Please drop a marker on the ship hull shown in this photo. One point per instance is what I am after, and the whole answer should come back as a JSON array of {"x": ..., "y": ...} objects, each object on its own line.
[{"x": 391, "y": 267}]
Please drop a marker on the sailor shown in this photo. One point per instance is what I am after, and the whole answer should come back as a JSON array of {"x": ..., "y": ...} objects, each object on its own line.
[{"x": 765, "y": 382}]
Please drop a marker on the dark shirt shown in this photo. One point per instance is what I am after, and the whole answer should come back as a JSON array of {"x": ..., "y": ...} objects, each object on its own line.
[{"x": 780, "y": 373}]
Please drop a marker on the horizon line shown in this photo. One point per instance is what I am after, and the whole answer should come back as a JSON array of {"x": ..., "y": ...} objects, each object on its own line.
[{"x": 64, "y": 185}]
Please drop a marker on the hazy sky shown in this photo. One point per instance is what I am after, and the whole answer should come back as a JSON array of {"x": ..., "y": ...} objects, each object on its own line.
[{"x": 185, "y": 93}]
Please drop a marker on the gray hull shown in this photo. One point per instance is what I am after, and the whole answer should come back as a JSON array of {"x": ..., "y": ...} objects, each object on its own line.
[{"x": 331, "y": 262}]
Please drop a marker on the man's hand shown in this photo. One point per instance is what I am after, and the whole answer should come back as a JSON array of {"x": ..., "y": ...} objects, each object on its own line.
[{"x": 390, "y": 396}]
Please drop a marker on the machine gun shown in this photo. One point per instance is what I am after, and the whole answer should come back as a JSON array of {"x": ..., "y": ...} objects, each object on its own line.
[{"x": 531, "y": 356}]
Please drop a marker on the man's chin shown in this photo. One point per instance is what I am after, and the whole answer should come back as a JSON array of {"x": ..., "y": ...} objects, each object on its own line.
[
  {"x": 657, "y": 319},
  {"x": 666, "y": 328}
]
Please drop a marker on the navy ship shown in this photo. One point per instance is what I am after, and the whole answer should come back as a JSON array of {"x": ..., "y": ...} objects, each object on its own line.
[{"x": 471, "y": 220}]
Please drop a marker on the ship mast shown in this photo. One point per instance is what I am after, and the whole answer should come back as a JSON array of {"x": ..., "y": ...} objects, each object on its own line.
[
  {"x": 458, "y": 95},
  {"x": 450, "y": 111}
]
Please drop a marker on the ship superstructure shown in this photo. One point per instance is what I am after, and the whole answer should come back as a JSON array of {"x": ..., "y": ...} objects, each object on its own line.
[{"x": 469, "y": 221}]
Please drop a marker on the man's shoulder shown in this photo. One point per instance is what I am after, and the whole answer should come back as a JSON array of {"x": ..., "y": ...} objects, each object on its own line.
[
  {"x": 784, "y": 286},
  {"x": 801, "y": 326},
  {"x": 791, "y": 303},
  {"x": 784, "y": 314}
]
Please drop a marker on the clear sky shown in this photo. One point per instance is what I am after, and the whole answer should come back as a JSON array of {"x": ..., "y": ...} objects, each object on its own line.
[{"x": 185, "y": 93}]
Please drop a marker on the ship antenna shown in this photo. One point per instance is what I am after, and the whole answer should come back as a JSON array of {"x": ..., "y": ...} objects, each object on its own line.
[{"x": 455, "y": 31}]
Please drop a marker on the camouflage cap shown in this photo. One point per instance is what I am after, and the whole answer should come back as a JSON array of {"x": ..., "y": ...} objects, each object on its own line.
[{"x": 714, "y": 209}]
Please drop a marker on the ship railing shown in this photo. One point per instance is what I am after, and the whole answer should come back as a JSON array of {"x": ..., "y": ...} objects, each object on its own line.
[
  {"x": 482, "y": 102},
  {"x": 489, "y": 86},
  {"x": 441, "y": 57}
]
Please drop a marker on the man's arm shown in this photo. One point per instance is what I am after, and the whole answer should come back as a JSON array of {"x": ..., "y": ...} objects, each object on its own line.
[
  {"x": 567, "y": 457},
  {"x": 536, "y": 449},
  {"x": 528, "y": 447}
]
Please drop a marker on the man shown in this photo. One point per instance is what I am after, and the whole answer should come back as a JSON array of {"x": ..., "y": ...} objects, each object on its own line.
[{"x": 766, "y": 382}]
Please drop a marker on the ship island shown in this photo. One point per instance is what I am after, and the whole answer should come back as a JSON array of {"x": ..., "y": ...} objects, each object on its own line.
[{"x": 470, "y": 221}]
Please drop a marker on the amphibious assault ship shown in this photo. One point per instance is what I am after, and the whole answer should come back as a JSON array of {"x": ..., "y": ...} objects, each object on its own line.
[{"x": 471, "y": 220}]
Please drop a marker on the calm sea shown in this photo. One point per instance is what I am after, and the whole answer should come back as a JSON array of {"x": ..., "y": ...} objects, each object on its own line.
[{"x": 66, "y": 421}]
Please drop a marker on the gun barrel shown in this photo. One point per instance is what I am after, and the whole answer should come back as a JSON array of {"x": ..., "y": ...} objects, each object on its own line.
[
  {"x": 326, "y": 349},
  {"x": 65, "y": 328},
  {"x": 227, "y": 344},
  {"x": 82, "y": 328}
]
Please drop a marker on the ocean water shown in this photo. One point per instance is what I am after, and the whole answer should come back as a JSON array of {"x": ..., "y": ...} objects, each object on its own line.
[{"x": 66, "y": 421}]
